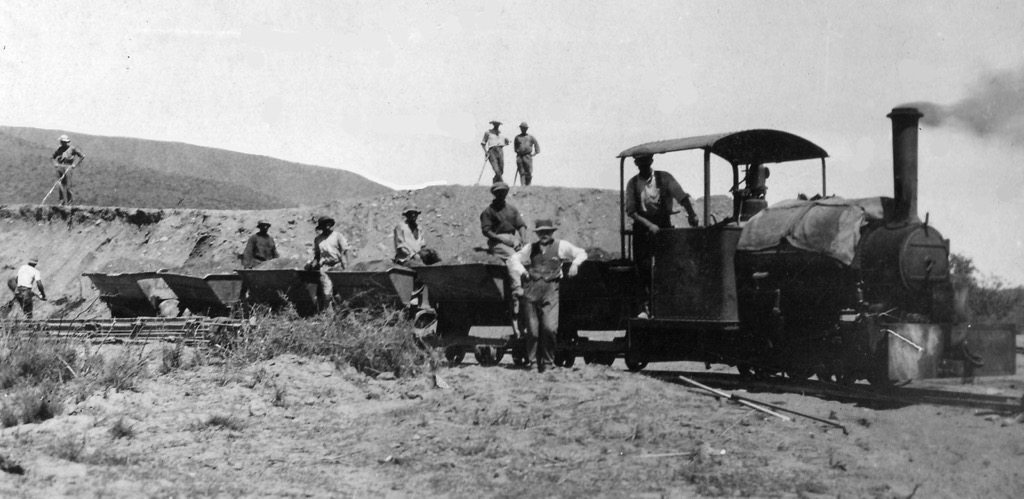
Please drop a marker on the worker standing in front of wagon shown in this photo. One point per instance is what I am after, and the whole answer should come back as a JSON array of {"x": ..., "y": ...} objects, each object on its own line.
[
  {"x": 535, "y": 271},
  {"x": 649, "y": 200},
  {"x": 330, "y": 252}
]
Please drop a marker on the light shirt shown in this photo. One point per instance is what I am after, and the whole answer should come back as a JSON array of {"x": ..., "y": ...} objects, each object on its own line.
[
  {"x": 28, "y": 276},
  {"x": 328, "y": 250},
  {"x": 493, "y": 139},
  {"x": 566, "y": 252},
  {"x": 407, "y": 243}
]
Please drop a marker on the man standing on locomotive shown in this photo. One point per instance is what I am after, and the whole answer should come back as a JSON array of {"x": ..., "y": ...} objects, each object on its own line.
[
  {"x": 501, "y": 223},
  {"x": 648, "y": 198},
  {"x": 535, "y": 270}
]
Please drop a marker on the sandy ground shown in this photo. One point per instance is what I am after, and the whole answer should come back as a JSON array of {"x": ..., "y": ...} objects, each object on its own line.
[{"x": 295, "y": 427}]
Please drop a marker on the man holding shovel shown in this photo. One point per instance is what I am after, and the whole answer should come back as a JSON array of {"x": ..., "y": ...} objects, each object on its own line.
[
  {"x": 493, "y": 144},
  {"x": 64, "y": 161}
]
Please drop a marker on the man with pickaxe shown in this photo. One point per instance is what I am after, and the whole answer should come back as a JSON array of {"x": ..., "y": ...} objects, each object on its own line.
[
  {"x": 64, "y": 161},
  {"x": 493, "y": 145}
]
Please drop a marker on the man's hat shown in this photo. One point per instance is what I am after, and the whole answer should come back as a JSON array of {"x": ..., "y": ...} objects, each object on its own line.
[
  {"x": 643, "y": 158},
  {"x": 410, "y": 208},
  {"x": 262, "y": 223},
  {"x": 65, "y": 138},
  {"x": 324, "y": 222},
  {"x": 34, "y": 260},
  {"x": 544, "y": 224},
  {"x": 499, "y": 186},
  {"x": 524, "y": 125},
  {"x": 495, "y": 122}
]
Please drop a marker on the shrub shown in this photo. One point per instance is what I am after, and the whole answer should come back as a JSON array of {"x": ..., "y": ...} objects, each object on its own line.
[
  {"x": 29, "y": 404},
  {"x": 371, "y": 340}
]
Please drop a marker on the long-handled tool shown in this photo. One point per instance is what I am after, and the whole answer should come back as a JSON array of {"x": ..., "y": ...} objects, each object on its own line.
[
  {"x": 482, "y": 168},
  {"x": 516, "y": 176},
  {"x": 59, "y": 180}
]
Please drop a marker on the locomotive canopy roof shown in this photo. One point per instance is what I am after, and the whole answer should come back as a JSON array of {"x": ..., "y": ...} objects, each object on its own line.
[{"x": 744, "y": 147}]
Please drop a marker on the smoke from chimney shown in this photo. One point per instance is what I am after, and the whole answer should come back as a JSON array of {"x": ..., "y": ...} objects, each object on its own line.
[{"x": 994, "y": 107}]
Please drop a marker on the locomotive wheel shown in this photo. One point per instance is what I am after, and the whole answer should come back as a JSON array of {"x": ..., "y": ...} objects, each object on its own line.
[
  {"x": 455, "y": 355},
  {"x": 565, "y": 359},
  {"x": 488, "y": 356},
  {"x": 519, "y": 360},
  {"x": 634, "y": 363},
  {"x": 881, "y": 381}
]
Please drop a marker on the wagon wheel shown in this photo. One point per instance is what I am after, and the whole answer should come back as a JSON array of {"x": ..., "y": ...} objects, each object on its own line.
[
  {"x": 565, "y": 359},
  {"x": 519, "y": 355},
  {"x": 634, "y": 362},
  {"x": 589, "y": 357},
  {"x": 488, "y": 356},
  {"x": 455, "y": 355}
]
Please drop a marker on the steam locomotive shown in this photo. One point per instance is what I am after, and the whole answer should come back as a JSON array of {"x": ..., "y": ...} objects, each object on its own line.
[{"x": 844, "y": 289}]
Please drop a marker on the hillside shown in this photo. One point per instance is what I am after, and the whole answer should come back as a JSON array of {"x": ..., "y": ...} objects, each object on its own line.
[
  {"x": 72, "y": 241},
  {"x": 151, "y": 174}
]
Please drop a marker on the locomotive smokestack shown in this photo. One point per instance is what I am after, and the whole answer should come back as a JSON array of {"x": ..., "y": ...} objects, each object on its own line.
[{"x": 904, "y": 162}]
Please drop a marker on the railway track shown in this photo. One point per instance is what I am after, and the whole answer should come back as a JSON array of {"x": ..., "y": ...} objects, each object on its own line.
[
  {"x": 190, "y": 330},
  {"x": 862, "y": 394}
]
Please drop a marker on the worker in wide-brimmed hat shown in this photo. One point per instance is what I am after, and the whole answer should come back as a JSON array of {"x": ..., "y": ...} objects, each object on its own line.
[
  {"x": 536, "y": 270},
  {"x": 502, "y": 224},
  {"x": 526, "y": 147},
  {"x": 260, "y": 247},
  {"x": 330, "y": 252},
  {"x": 65, "y": 159},
  {"x": 29, "y": 278},
  {"x": 493, "y": 145}
]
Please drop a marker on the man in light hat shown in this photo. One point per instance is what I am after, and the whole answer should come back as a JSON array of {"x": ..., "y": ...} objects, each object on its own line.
[
  {"x": 330, "y": 252},
  {"x": 64, "y": 161},
  {"x": 493, "y": 145},
  {"x": 535, "y": 271},
  {"x": 29, "y": 278},
  {"x": 260, "y": 247},
  {"x": 526, "y": 147},
  {"x": 502, "y": 224},
  {"x": 409, "y": 237}
]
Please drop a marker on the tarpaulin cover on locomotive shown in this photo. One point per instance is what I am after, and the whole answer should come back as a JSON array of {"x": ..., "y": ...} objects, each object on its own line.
[{"x": 828, "y": 226}]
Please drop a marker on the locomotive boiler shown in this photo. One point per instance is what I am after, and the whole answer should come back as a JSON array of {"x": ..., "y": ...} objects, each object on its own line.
[{"x": 844, "y": 289}]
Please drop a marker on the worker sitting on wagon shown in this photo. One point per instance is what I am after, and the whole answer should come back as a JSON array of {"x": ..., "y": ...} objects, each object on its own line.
[
  {"x": 502, "y": 224},
  {"x": 535, "y": 271},
  {"x": 648, "y": 200},
  {"x": 410, "y": 246}
]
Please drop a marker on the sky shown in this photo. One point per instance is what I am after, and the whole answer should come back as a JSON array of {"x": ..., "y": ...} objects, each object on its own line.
[{"x": 401, "y": 92}]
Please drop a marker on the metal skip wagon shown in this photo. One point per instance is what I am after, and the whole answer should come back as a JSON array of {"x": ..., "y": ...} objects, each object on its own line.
[
  {"x": 278, "y": 288},
  {"x": 213, "y": 295},
  {"x": 468, "y": 295},
  {"x": 124, "y": 294}
]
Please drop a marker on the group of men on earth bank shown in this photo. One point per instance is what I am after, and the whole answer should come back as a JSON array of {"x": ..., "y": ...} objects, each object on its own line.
[{"x": 535, "y": 269}]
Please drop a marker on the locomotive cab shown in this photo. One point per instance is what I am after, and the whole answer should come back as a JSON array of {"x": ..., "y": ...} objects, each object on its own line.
[{"x": 695, "y": 296}]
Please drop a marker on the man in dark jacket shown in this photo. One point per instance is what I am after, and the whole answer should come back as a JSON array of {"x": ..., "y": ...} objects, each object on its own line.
[{"x": 260, "y": 248}]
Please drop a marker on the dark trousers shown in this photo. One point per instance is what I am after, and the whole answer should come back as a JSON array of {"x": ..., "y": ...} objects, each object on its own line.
[
  {"x": 64, "y": 188},
  {"x": 24, "y": 298},
  {"x": 539, "y": 309},
  {"x": 525, "y": 165},
  {"x": 497, "y": 158}
]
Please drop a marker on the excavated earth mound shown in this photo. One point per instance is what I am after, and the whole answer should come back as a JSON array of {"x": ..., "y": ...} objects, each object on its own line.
[{"x": 71, "y": 241}]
